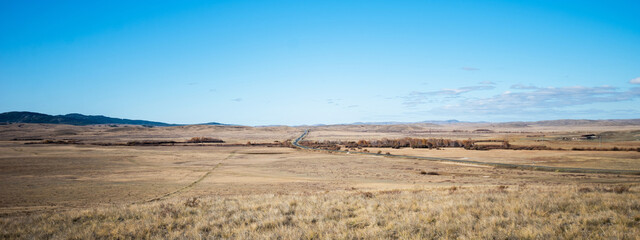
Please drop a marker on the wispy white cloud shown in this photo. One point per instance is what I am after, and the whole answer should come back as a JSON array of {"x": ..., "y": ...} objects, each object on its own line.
[
  {"x": 635, "y": 80},
  {"x": 528, "y": 114},
  {"x": 416, "y": 98},
  {"x": 522, "y": 86},
  {"x": 487, "y": 83},
  {"x": 455, "y": 91},
  {"x": 534, "y": 99},
  {"x": 333, "y": 101}
]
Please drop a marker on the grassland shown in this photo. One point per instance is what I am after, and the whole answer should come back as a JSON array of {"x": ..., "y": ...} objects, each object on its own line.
[
  {"x": 80, "y": 191},
  {"x": 519, "y": 212}
]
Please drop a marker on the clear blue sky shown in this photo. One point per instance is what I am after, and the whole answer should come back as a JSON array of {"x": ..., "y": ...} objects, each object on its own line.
[{"x": 310, "y": 62}]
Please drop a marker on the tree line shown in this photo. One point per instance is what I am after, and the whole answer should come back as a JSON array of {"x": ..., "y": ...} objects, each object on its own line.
[{"x": 430, "y": 143}]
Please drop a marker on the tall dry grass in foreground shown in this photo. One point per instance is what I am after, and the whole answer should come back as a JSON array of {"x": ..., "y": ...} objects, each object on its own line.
[{"x": 469, "y": 213}]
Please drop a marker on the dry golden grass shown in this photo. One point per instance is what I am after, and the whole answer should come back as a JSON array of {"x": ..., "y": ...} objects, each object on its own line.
[
  {"x": 628, "y": 160},
  {"x": 249, "y": 192},
  {"x": 125, "y": 133},
  {"x": 465, "y": 131},
  {"x": 490, "y": 212}
]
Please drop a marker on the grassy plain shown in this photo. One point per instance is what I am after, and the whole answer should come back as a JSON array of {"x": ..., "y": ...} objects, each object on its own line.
[
  {"x": 90, "y": 191},
  {"x": 519, "y": 212}
]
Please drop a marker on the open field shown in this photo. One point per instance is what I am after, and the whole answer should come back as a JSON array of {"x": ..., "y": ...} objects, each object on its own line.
[
  {"x": 518, "y": 212},
  {"x": 346, "y": 120},
  {"x": 248, "y": 191},
  {"x": 125, "y": 133},
  {"x": 570, "y": 159}
]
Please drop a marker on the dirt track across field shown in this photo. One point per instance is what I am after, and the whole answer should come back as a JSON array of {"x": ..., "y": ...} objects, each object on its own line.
[{"x": 190, "y": 185}]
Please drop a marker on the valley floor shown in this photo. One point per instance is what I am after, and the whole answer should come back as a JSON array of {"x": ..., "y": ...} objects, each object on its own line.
[{"x": 69, "y": 191}]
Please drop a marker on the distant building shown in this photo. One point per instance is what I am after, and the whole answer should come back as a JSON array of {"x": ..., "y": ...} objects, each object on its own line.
[{"x": 589, "y": 136}]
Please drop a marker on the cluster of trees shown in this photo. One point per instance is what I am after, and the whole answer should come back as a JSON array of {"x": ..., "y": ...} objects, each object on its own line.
[
  {"x": 286, "y": 143},
  {"x": 420, "y": 143},
  {"x": 48, "y": 141},
  {"x": 204, "y": 140},
  {"x": 150, "y": 143},
  {"x": 168, "y": 142},
  {"x": 391, "y": 143},
  {"x": 605, "y": 149},
  {"x": 327, "y": 145},
  {"x": 412, "y": 143},
  {"x": 506, "y": 145}
]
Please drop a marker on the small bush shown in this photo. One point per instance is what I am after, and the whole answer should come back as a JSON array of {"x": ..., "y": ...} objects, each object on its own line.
[
  {"x": 204, "y": 140},
  {"x": 585, "y": 190},
  {"x": 169, "y": 210},
  {"x": 368, "y": 195},
  {"x": 616, "y": 189},
  {"x": 49, "y": 141},
  {"x": 192, "y": 202},
  {"x": 150, "y": 143},
  {"x": 621, "y": 189}
]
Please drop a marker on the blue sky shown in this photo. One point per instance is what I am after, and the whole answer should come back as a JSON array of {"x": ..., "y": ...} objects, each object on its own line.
[{"x": 311, "y": 62}]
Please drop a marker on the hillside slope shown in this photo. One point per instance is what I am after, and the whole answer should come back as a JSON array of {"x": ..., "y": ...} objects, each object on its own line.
[{"x": 71, "y": 119}]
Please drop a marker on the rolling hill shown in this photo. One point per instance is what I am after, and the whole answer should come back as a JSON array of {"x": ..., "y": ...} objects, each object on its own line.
[{"x": 76, "y": 119}]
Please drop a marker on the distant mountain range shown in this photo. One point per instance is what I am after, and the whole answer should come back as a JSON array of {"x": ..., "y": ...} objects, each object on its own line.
[
  {"x": 399, "y": 123},
  {"x": 521, "y": 124},
  {"x": 581, "y": 122},
  {"x": 77, "y": 119}
]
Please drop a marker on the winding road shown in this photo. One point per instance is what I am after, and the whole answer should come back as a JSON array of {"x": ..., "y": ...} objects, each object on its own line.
[{"x": 492, "y": 164}]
